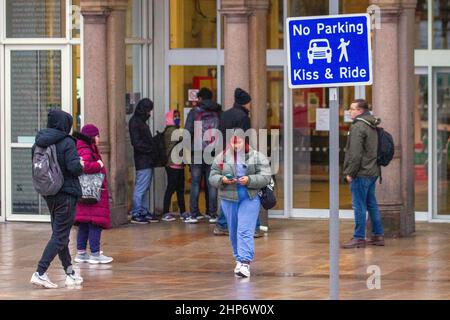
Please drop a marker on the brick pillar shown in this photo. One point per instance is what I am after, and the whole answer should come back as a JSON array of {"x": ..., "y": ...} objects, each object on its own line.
[{"x": 236, "y": 46}]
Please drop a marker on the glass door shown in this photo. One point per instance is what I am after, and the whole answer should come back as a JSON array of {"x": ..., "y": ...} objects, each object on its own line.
[
  {"x": 441, "y": 104},
  {"x": 36, "y": 81}
]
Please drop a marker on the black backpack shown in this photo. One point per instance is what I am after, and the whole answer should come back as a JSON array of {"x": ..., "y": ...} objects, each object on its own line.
[
  {"x": 385, "y": 147},
  {"x": 159, "y": 156},
  {"x": 385, "y": 150}
]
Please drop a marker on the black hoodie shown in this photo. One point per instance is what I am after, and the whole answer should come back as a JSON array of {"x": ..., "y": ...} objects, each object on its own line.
[
  {"x": 141, "y": 138},
  {"x": 59, "y": 124}
]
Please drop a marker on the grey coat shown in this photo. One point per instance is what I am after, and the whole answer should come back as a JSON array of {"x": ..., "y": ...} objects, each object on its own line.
[{"x": 258, "y": 171}]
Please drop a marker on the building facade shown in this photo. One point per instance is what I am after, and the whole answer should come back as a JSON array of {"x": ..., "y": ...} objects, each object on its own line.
[{"x": 96, "y": 59}]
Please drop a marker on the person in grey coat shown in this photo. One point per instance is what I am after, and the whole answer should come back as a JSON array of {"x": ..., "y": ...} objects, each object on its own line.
[{"x": 239, "y": 173}]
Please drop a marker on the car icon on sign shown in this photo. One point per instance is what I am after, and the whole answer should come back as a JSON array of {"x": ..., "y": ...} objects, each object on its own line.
[{"x": 319, "y": 49}]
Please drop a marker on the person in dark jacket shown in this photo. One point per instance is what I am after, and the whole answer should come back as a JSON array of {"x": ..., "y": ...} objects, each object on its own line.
[
  {"x": 209, "y": 113},
  {"x": 362, "y": 171},
  {"x": 237, "y": 117},
  {"x": 92, "y": 218},
  {"x": 62, "y": 205},
  {"x": 144, "y": 151}
]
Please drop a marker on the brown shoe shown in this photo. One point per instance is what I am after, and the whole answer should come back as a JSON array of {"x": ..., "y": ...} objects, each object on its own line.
[
  {"x": 220, "y": 232},
  {"x": 376, "y": 241},
  {"x": 354, "y": 243},
  {"x": 258, "y": 234}
]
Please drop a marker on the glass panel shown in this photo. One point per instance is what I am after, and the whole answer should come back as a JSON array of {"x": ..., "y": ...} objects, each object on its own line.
[
  {"x": 133, "y": 85},
  {"x": 421, "y": 24},
  {"x": 442, "y": 153},
  {"x": 193, "y": 24},
  {"x": 35, "y": 19},
  {"x": 76, "y": 18},
  {"x": 421, "y": 143},
  {"x": 441, "y": 25},
  {"x": 275, "y": 25},
  {"x": 76, "y": 86},
  {"x": 134, "y": 19},
  {"x": 275, "y": 120},
  {"x": 25, "y": 200},
  {"x": 35, "y": 89},
  {"x": 299, "y": 8},
  {"x": 183, "y": 78},
  {"x": 353, "y": 6}
]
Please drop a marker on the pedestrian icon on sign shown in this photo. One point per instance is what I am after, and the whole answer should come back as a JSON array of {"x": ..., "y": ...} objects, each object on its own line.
[{"x": 343, "y": 46}]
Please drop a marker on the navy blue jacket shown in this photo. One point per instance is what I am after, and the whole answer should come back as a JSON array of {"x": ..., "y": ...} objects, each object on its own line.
[{"x": 59, "y": 124}]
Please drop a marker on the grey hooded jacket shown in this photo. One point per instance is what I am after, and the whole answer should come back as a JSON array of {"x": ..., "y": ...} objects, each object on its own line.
[{"x": 258, "y": 171}]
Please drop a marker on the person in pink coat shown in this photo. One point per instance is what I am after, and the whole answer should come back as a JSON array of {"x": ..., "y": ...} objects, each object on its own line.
[{"x": 91, "y": 218}]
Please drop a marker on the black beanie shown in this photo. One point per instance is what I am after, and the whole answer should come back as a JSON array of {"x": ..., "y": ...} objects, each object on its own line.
[{"x": 241, "y": 96}]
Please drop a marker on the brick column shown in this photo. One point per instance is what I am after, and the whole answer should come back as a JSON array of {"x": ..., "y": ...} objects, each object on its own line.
[
  {"x": 386, "y": 105},
  {"x": 236, "y": 47}
]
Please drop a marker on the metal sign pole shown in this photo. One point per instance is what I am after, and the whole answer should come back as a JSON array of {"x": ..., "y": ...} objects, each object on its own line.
[{"x": 334, "y": 193}]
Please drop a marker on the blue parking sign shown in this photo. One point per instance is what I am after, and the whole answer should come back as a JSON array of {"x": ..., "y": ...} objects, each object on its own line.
[{"x": 329, "y": 51}]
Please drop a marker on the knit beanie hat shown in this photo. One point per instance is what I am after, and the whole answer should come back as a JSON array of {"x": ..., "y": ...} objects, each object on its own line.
[
  {"x": 241, "y": 96},
  {"x": 90, "y": 130}
]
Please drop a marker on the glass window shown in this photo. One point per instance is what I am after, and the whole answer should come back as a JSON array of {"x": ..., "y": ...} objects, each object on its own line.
[
  {"x": 441, "y": 24},
  {"x": 353, "y": 6},
  {"x": 76, "y": 19},
  {"x": 35, "y": 89},
  {"x": 421, "y": 143},
  {"x": 275, "y": 25},
  {"x": 442, "y": 153},
  {"x": 275, "y": 120},
  {"x": 134, "y": 19},
  {"x": 133, "y": 77},
  {"x": 299, "y": 8},
  {"x": 76, "y": 87},
  {"x": 193, "y": 24},
  {"x": 35, "y": 19},
  {"x": 421, "y": 24}
]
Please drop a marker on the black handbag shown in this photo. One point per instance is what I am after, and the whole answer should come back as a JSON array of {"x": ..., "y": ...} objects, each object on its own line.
[{"x": 267, "y": 196}]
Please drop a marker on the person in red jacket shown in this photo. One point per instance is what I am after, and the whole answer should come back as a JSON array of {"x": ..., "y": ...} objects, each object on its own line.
[{"x": 92, "y": 218}]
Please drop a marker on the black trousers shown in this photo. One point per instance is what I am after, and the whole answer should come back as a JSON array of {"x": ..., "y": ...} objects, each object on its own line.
[
  {"x": 175, "y": 183},
  {"x": 62, "y": 214}
]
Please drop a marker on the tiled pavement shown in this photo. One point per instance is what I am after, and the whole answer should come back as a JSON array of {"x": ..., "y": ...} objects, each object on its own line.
[{"x": 172, "y": 260}]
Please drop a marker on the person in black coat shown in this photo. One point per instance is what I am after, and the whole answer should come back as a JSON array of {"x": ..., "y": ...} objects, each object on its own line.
[
  {"x": 237, "y": 117},
  {"x": 62, "y": 205},
  {"x": 144, "y": 153}
]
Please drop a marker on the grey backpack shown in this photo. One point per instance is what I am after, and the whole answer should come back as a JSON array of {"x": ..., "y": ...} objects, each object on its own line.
[{"x": 48, "y": 178}]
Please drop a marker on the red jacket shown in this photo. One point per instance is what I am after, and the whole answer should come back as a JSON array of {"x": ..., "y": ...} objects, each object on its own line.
[{"x": 98, "y": 213}]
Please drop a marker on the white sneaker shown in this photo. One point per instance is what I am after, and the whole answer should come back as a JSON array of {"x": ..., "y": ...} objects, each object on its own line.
[
  {"x": 73, "y": 280},
  {"x": 100, "y": 259},
  {"x": 244, "y": 271},
  {"x": 191, "y": 220},
  {"x": 238, "y": 267},
  {"x": 42, "y": 281}
]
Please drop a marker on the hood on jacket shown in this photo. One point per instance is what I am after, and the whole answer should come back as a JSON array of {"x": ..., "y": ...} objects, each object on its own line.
[
  {"x": 82, "y": 137},
  {"x": 209, "y": 105},
  {"x": 368, "y": 117},
  {"x": 59, "y": 124},
  {"x": 59, "y": 120},
  {"x": 142, "y": 109},
  {"x": 169, "y": 118}
]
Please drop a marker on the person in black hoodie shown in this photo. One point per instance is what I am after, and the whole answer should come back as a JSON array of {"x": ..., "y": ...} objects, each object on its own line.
[
  {"x": 144, "y": 152},
  {"x": 62, "y": 205},
  {"x": 208, "y": 112}
]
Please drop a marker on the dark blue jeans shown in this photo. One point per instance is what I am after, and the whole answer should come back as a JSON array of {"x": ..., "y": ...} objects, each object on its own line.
[
  {"x": 222, "y": 221},
  {"x": 89, "y": 231},
  {"x": 363, "y": 200},
  {"x": 62, "y": 214},
  {"x": 197, "y": 171}
]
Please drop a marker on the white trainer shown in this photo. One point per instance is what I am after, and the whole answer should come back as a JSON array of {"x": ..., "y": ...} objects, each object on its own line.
[
  {"x": 42, "y": 281},
  {"x": 99, "y": 259},
  {"x": 238, "y": 267},
  {"x": 244, "y": 271},
  {"x": 73, "y": 280}
]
